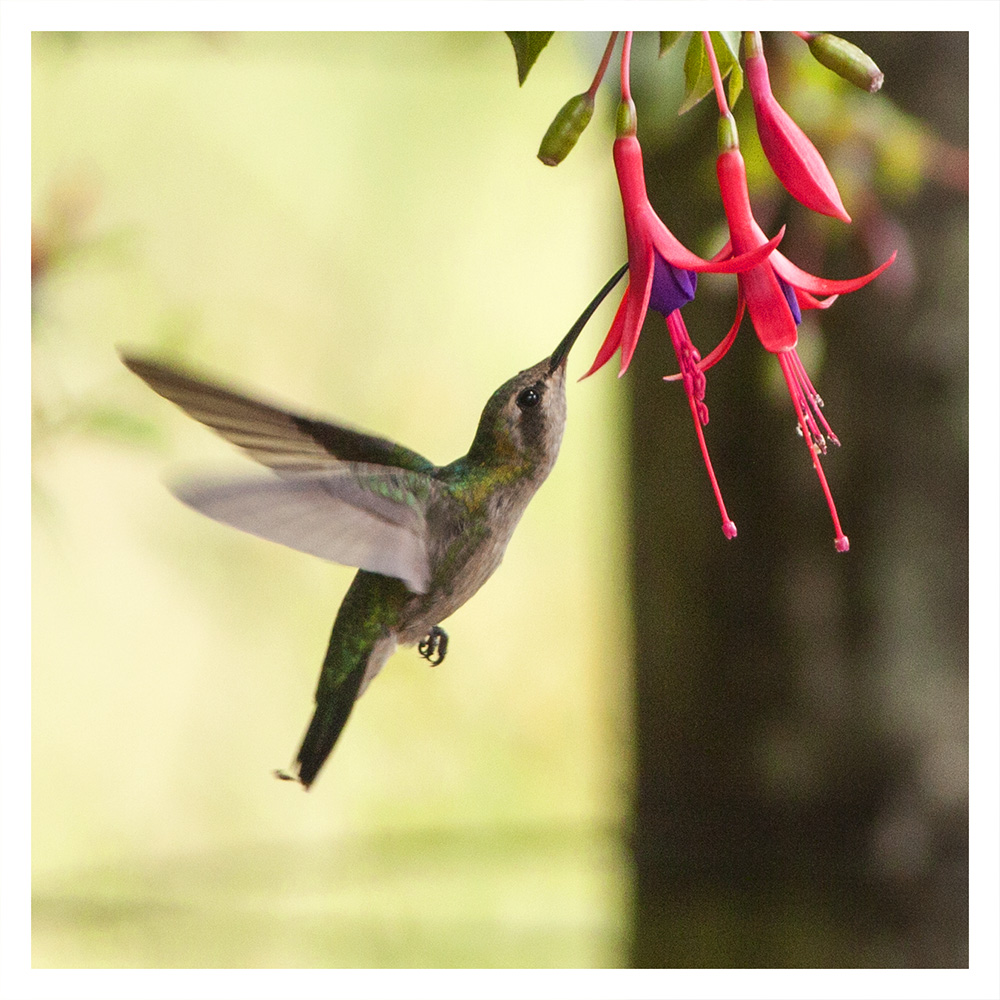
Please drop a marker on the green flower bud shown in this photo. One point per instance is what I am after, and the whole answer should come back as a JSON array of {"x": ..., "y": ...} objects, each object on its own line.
[
  {"x": 752, "y": 45},
  {"x": 625, "y": 119},
  {"x": 728, "y": 136},
  {"x": 566, "y": 128},
  {"x": 847, "y": 60}
]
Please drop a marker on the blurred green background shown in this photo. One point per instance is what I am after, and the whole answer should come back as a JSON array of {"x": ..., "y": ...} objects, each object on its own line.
[
  {"x": 648, "y": 746},
  {"x": 356, "y": 225}
]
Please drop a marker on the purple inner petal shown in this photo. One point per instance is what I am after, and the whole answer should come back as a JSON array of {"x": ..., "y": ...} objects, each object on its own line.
[
  {"x": 793, "y": 302},
  {"x": 672, "y": 288}
]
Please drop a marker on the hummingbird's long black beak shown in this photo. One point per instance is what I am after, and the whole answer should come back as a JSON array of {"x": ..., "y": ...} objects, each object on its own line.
[{"x": 559, "y": 354}]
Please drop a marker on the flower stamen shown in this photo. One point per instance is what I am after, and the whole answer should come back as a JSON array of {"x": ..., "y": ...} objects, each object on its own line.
[
  {"x": 804, "y": 399},
  {"x": 813, "y": 400}
]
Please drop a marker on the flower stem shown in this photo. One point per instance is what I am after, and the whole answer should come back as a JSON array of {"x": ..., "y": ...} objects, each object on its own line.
[
  {"x": 806, "y": 36},
  {"x": 605, "y": 59},
  {"x": 626, "y": 58},
  {"x": 720, "y": 94}
]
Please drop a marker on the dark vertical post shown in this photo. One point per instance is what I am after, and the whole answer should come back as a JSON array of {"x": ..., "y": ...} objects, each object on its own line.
[{"x": 802, "y": 715}]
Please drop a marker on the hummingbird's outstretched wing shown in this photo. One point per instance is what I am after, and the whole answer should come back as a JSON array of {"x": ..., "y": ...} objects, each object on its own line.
[
  {"x": 359, "y": 515},
  {"x": 282, "y": 440}
]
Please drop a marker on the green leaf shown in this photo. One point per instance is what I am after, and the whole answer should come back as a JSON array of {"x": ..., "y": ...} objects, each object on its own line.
[
  {"x": 527, "y": 46},
  {"x": 698, "y": 72},
  {"x": 735, "y": 84},
  {"x": 732, "y": 40},
  {"x": 668, "y": 39}
]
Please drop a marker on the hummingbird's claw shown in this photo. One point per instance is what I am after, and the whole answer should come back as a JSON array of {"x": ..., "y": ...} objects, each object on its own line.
[{"x": 434, "y": 645}]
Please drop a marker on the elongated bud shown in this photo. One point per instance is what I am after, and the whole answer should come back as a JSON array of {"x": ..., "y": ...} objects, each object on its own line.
[
  {"x": 792, "y": 156},
  {"x": 847, "y": 60},
  {"x": 567, "y": 126}
]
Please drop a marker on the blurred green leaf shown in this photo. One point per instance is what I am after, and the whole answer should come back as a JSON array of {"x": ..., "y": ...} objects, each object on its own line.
[
  {"x": 668, "y": 39},
  {"x": 698, "y": 72},
  {"x": 527, "y": 46}
]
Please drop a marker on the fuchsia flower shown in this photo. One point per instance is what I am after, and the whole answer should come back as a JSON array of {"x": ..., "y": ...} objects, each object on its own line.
[
  {"x": 775, "y": 292},
  {"x": 794, "y": 159},
  {"x": 662, "y": 271},
  {"x": 662, "y": 276}
]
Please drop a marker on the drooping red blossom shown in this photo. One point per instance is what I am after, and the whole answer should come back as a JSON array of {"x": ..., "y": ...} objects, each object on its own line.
[
  {"x": 663, "y": 276},
  {"x": 775, "y": 292},
  {"x": 662, "y": 271},
  {"x": 794, "y": 159}
]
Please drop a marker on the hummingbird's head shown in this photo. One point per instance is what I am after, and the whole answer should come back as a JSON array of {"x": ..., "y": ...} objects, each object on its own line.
[{"x": 522, "y": 425}]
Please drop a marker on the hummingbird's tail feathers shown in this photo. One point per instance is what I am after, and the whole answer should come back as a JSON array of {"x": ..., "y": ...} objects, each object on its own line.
[
  {"x": 365, "y": 516},
  {"x": 348, "y": 668},
  {"x": 327, "y": 724},
  {"x": 275, "y": 437}
]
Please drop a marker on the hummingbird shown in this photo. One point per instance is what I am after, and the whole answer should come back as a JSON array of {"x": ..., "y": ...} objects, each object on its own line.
[{"x": 424, "y": 537}]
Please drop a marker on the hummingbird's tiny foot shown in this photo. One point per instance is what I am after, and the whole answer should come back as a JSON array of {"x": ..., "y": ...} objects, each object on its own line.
[{"x": 434, "y": 645}]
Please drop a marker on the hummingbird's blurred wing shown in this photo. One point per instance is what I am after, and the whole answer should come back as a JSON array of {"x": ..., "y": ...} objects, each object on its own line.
[
  {"x": 277, "y": 438},
  {"x": 363, "y": 515}
]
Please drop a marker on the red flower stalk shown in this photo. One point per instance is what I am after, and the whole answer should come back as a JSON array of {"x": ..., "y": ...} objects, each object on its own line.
[{"x": 794, "y": 159}]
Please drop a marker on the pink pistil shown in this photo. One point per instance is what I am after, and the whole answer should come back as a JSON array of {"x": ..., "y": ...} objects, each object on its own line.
[{"x": 694, "y": 387}]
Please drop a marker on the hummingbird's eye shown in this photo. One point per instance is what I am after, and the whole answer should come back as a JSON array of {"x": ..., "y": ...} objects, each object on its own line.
[{"x": 529, "y": 397}]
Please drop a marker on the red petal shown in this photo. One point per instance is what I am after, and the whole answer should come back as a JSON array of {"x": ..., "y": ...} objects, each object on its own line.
[
  {"x": 798, "y": 278},
  {"x": 635, "y": 313},
  {"x": 642, "y": 223},
  {"x": 716, "y": 355},
  {"x": 732, "y": 173},
  {"x": 807, "y": 301},
  {"x": 792, "y": 156},
  {"x": 769, "y": 312},
  {"x": 674, "y": 252},
  {"x": 627, "y": 155},
  {"x": 725, "y": 252},
  {"x": 612, "y": 340}
]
